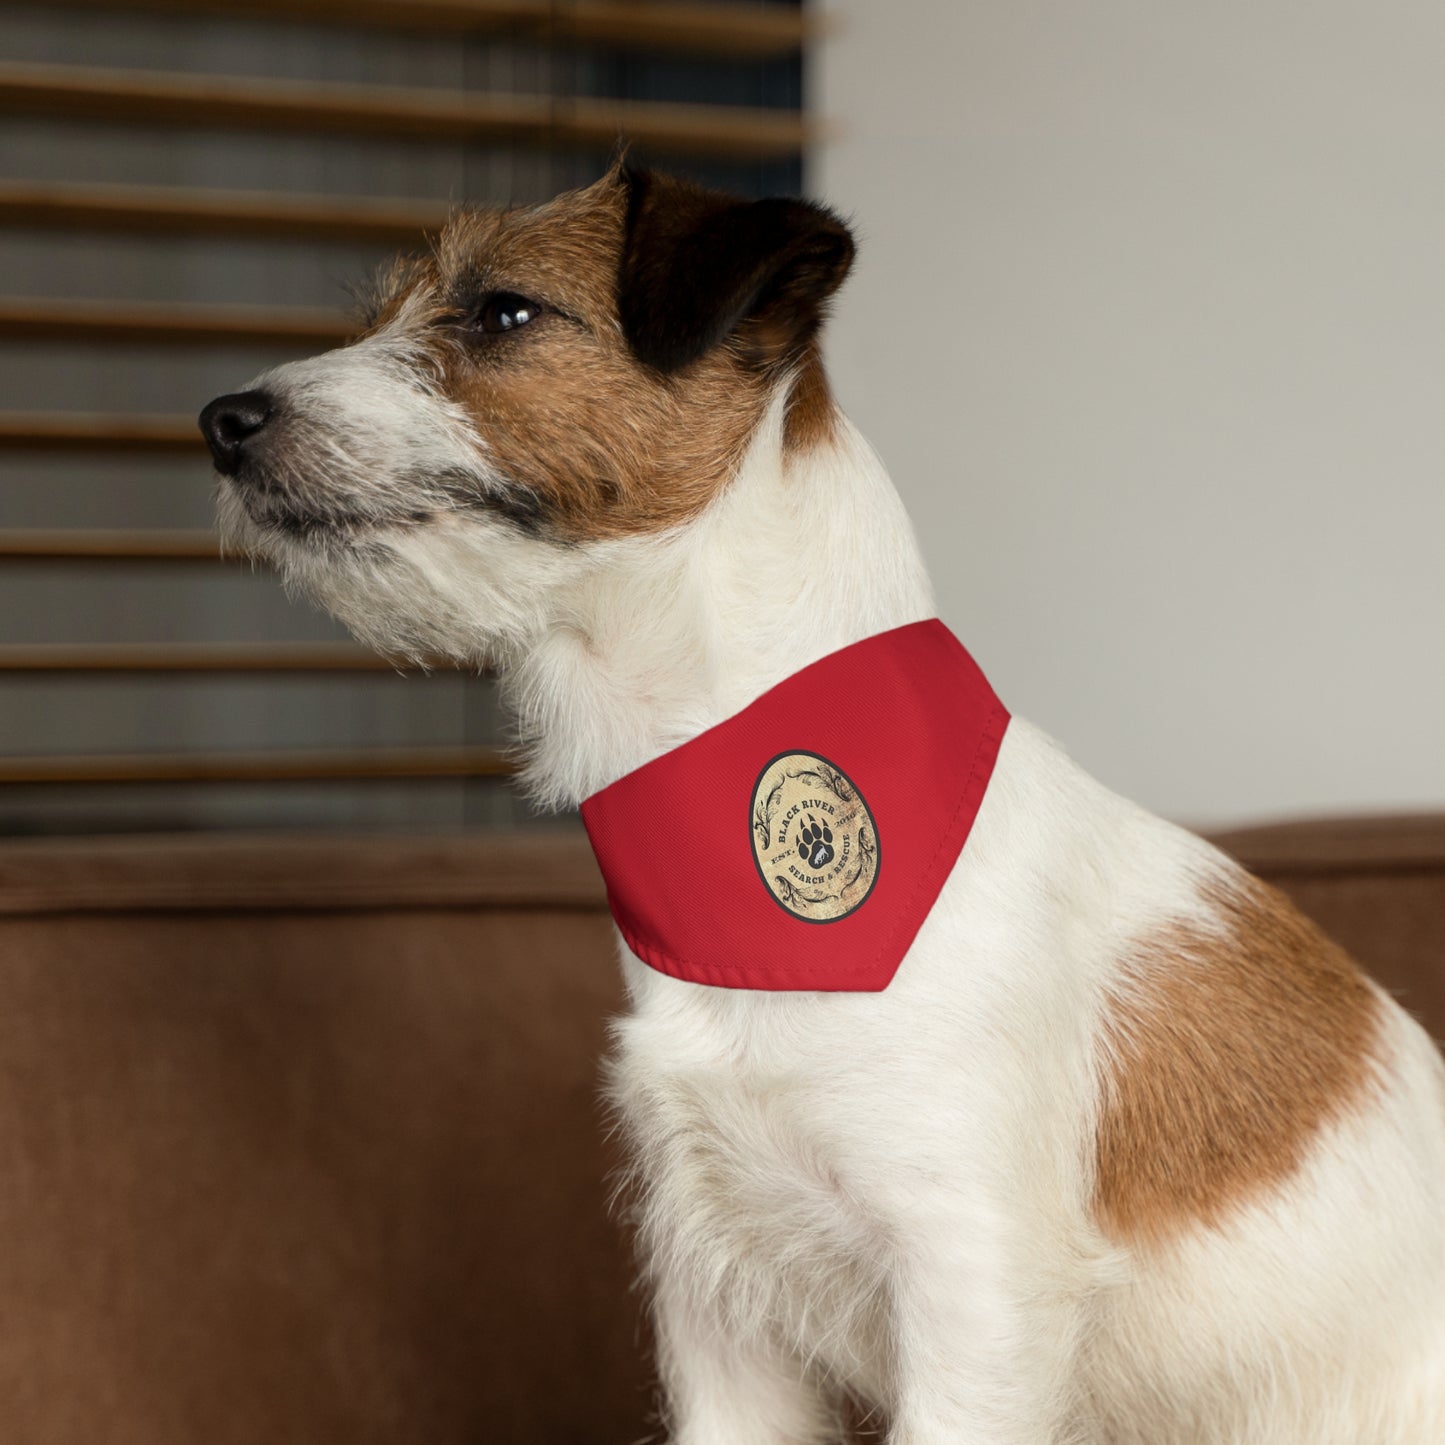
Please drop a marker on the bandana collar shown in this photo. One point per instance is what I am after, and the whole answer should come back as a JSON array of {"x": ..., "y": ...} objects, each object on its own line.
[{"x": 801, "y": 843}]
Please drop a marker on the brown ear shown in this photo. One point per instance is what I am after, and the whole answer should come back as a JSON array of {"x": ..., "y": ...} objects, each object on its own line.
[{"x": 699, "y": 266}]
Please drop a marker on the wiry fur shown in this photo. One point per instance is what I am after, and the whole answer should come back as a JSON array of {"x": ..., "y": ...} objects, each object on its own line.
[{"x": 897, "y": 1196}]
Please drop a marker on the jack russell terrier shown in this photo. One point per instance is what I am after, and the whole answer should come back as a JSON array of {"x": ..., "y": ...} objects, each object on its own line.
[{"x": 956, "y": 1085}]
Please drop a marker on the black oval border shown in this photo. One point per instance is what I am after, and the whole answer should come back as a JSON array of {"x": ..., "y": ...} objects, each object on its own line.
[{"x": 753, "y": 849}]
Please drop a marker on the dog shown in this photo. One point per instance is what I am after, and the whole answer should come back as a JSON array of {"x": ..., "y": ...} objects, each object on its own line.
[{"x": 1123, "y": 1151}]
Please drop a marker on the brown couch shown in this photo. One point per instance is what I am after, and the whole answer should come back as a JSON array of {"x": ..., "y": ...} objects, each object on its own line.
[{"x": 299, "y": 1138}]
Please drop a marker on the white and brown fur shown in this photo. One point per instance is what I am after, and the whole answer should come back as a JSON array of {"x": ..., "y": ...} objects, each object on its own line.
[{"x": 1127, "y": 1152}]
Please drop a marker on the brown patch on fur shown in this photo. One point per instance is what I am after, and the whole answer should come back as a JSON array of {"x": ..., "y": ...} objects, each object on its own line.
[
  {"x": 601, "y": 445},
  {"x": 593, "y": 441},
  {"x": 1227, "y": 1053},
  {"x": 812, "y": 417}
]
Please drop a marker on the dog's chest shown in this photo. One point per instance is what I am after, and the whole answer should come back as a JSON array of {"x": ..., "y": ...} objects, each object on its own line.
[{"x": 746, "y": 1181}]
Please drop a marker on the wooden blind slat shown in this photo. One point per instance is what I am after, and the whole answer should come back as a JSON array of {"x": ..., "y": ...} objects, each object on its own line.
[
  {"x": 358, "y": 764},
  {"x": 171, "y": 323},
  {"x": 266, "y": 657},
  {"x": 756, "y": 32},
  {"x": 704, "y": 29},
  {"x": 172, "y": 210},
  {"x": 76, "y": 544},
  {"x": 215, "y": 101},
  {"x": 67, "y": 431}
]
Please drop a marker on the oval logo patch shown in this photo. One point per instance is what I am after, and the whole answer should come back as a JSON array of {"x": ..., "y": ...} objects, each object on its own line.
[{"x": 814, "y": 840}]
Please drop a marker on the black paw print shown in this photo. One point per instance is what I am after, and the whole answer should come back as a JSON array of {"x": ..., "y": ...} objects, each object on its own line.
[{"x": 815, "y": 843}]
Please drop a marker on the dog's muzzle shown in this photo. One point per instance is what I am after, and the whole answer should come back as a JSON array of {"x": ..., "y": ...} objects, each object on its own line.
[{"x": 231, "y": 424}]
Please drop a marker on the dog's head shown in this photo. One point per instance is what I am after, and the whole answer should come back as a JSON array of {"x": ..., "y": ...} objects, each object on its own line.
[{"x": 546, "y": 383}]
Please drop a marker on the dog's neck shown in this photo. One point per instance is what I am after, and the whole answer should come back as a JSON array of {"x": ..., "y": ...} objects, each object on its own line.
[{"x": 804, "y": 553}]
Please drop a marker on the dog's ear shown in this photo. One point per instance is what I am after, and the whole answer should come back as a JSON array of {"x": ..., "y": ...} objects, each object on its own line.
[{"x": 698, "y": 267}]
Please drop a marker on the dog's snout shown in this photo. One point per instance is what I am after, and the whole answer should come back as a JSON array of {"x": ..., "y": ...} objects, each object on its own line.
[{"x": 229, "y": 422}]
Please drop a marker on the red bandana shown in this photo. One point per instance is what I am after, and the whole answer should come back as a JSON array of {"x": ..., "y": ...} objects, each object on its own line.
[{"x": 801, "y": 843}]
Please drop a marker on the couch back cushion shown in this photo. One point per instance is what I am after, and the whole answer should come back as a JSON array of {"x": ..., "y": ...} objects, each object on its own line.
[{"x": 301, "y": 1142}]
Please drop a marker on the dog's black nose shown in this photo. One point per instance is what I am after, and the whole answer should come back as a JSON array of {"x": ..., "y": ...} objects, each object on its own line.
[{"x": 229, "y": 422}]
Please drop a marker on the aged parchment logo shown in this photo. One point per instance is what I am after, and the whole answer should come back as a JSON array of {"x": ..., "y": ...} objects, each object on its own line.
[{"x": 814, "y": 840}]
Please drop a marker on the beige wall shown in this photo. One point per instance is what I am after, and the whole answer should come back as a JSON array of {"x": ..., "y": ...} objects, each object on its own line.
[{"x": 1149, "y": 324}]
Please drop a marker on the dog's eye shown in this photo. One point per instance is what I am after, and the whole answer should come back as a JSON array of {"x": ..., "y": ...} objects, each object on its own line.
[{"x": 505, "y": 311}]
